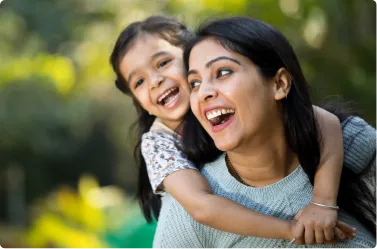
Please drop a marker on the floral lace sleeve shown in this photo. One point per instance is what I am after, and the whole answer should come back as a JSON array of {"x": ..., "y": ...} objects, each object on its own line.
[{"x": 162, "y": 157}]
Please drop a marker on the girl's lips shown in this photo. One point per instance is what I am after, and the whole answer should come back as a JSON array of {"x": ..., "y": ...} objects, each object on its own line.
[
  {"x": 174, "y": 103},
  {"x": 164, "y": 92}
]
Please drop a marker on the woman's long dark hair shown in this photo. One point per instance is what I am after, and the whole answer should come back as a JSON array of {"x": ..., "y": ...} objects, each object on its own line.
[
  {"x": 269, "y": 50},
  {"x": 176, "y": 34}
]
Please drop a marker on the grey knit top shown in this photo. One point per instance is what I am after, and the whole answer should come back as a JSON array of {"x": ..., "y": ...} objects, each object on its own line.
[{"x": 283, "y": 199}]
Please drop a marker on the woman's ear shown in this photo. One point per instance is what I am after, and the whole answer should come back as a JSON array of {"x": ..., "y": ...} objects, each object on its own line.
[{"x": 283, "y": 83}]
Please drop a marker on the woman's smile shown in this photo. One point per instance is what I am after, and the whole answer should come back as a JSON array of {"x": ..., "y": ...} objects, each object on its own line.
[{"x": 219, "y": 117}]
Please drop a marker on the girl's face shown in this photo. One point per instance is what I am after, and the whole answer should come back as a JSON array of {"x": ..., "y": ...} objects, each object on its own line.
[
  {"x": 229, "y": 97},
  {"x": 154, "y": 70}
]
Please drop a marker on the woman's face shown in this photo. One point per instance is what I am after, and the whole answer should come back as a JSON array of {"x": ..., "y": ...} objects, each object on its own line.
[
  {"x": 230, "y": 98},
  {"x": 154, "y": 70}
]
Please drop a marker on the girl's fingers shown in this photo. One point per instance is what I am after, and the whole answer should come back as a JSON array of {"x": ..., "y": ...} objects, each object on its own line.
[
  {"x": 298, "y": 234},
  {"x": 309, "y": 235},
  {"x": 345, "y": 228},
  {"x": 319, "y": 236},
  {"x": 329, "y": 233},
  {"x": 339, "y": 233}
]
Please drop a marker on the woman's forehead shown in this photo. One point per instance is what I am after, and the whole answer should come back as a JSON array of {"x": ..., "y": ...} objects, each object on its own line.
[{"x": 208, "y": 50}]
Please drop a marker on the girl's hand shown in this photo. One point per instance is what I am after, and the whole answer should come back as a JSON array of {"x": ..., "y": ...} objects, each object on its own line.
[{"x": 319, "y": 225}]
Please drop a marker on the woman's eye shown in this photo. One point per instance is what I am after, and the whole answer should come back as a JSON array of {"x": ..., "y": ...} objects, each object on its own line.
[
  {"x": 223, "y": 72},
  {"x": 163, "y": 63},
  {"x": 139, "y": 82},
  {"x": 194, "y": 84}
]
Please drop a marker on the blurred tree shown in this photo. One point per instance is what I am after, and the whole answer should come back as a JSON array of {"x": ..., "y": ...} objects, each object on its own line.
[{"x": 54, "y": 138}]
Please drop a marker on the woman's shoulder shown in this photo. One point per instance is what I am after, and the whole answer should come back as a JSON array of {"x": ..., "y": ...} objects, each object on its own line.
[{"x": 359, "y": 139}]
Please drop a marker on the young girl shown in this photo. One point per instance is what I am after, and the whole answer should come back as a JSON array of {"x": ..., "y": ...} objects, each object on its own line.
[{"x": 147, "y": 59}]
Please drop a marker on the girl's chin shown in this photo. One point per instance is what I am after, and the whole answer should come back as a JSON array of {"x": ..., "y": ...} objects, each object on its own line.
[{"x": 176, "y": 113}]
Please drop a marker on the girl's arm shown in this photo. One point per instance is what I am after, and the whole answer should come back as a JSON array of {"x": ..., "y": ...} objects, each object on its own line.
[
  {"x": 327, "y": 177},
  {"x": 191, "y": 189},
  {"x": 169, "y": 170},
  {"x": 320, "y": 222}
]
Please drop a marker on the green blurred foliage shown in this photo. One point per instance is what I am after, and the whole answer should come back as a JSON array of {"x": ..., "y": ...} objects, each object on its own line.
[
  {"x": 61, "y": 115},
  {"x": 86, "y": 222}
]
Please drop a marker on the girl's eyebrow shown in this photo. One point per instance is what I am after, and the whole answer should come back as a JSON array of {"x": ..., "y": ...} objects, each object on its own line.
[
  {"x": 159, "y": 53},
  {"x": 154, "y": 56},
  {"x": 208, "y": 64}
]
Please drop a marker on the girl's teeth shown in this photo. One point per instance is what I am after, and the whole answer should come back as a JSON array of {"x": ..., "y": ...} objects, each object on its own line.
[
  {"x": 165, "y": 94},
  {"x": 171, "y": 100}
]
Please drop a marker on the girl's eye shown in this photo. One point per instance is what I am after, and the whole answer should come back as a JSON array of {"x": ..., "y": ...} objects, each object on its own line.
[
  {"x": 139, "y": 82},
  {"x": 223, "y": 72},
  {"x": 194, "y": 84},
  {"x": 163, "y": 63}
]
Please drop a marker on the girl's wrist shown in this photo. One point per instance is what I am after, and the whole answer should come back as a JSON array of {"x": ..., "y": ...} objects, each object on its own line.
[
  {"x": 287, "y": 232},
  {"x": 325, "y": 200}
]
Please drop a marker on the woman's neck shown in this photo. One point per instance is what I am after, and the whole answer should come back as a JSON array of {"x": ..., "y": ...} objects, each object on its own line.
[{"x": 265, "y": 161}]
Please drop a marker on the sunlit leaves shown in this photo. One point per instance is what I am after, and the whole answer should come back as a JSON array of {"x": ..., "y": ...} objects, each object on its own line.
[{"x": 56, "y": 69}]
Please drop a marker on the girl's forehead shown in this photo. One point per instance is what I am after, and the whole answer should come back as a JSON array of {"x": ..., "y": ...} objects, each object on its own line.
[
  {"x": 144, "y": 50},
  {"x": 147, "y": 45}
]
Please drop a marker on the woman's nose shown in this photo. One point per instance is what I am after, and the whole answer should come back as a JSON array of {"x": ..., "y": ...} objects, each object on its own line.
[{"x": 207, "y": 92}]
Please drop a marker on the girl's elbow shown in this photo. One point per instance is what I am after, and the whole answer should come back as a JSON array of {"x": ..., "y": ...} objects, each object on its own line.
[{"x": 202, "y": 215}]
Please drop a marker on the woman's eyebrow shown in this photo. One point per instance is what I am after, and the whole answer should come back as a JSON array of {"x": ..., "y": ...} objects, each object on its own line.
[
  {"x": 208, "y": 64},
  {"x": 192, "y": 71}
]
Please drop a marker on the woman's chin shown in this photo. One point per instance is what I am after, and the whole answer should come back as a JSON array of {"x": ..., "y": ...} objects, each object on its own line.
[{"x": 225, "y": 145}]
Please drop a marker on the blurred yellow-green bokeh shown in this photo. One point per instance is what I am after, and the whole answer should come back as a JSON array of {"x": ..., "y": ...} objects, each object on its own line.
[{"x": 67, "y": 176}]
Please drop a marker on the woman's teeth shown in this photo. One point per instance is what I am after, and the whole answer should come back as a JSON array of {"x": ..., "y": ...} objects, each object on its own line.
[{"x": 216, "y": 113}]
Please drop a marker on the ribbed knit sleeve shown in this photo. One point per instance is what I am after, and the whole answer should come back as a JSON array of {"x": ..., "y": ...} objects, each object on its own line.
[{"x": 359, "y": 141}]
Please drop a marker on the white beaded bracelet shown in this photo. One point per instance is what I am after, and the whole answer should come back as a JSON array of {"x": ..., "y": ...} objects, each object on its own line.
[{"x": 323, "y": 205}]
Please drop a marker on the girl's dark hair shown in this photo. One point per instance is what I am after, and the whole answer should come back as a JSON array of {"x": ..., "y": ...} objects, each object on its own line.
[
  {"x": 269, "y": 50},
  {"x": 176, "y": 34}
]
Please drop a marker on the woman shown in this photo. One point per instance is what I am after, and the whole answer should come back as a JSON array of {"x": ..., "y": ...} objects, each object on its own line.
[
  {"x": 147, "y": 59},
  {"x": 269, "y": 134}
]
